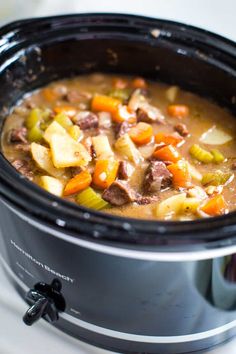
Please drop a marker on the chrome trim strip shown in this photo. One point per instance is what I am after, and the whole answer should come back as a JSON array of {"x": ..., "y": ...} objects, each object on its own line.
[
  {"x": 129, "y": 253},
  {"x": 128, "y": 336}
]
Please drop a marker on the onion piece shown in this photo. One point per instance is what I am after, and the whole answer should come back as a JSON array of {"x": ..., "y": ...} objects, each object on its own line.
[
  {"x": 195, "y": 174},
  {"x": 215, "y": 136}
]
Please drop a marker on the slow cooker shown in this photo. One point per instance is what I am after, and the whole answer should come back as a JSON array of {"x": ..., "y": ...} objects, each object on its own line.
[{"x": 123, "y": 284}]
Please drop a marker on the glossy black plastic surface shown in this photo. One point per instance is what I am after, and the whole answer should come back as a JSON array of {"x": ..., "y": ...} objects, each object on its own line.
[{"x": 45, "y": 301}]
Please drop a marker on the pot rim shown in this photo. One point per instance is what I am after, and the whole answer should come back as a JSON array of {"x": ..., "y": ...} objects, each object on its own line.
[{"x": 60, "y": 213}]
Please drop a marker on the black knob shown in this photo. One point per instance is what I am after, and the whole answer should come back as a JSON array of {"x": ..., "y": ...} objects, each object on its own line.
[
  {"x": 46, "y": 302},
  {"x": 35, "y": 312}
]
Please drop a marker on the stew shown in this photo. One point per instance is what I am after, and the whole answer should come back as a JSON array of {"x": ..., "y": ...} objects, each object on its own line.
[{"x": 126, "y": 146}]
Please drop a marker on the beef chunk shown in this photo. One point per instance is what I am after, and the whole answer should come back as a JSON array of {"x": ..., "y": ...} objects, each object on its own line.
[
  {"x": 125, "y": 170},
  {"x": 75, "y": 171},
  {"x": 233, "y": 166},
  {"x": 181, "y": 129},
  {"x": 86, "y": 120},
  {"x": 119, "y": 193},
  {"x": 122, "y": 128},
  {"x": 75, "y": 96},
  {"x": 157, "y": 177},
  {"x": 24, "y": 168},
  {"x": 22, "y": 147},
  {"x": 143, "y": 200},
  {"x": 18, "y": 135},
  {"x": 122, "y": 171},
  {"x": 149, "y": 114}
]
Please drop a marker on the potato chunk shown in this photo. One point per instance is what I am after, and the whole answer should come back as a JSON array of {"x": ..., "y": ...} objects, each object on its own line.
[
  {"x": 170, "y": 207},
  {"x": 66, "y": 152},
  {"x": 54, "y": 129},
  {"x": 102, "y": 147},
  {"x": 42, "y": 156},
  {"x": 52, "y": 185}
]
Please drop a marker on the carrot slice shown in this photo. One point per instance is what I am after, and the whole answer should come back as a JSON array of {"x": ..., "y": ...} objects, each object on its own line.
[
  {"x": 70, "y": 111},
  {"x": 174, "y": 139},
  {"x": 122, "y": 114},
  {"x": 141, "y": 133},
  {"x": 178, "y": 111},
  {"x": 139, "y": 82},
  {"x": 119, "y": 83},
  {"x": 181, "y": 174},
  {"x": 105, "y": 104},
  {"x": 105, "y": 173},
  {"x": 49, "y": 94},
  {"x": 167, "y": 153},
  {"x": 215, "y": 206},
  {"x": 78, "y": 183}
]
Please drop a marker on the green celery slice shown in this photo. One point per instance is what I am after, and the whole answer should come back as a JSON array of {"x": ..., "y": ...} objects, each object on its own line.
[
  {"x": 200, "y": 154},
  {"x": 63, "y": 120},
  {"x": 218, "y": 157},
  {"x": 121, "y": 94},
  {"x": 90, "y": 199},
  {"x": 35, "y": 134},
  {"x": 217, "y": 178}
]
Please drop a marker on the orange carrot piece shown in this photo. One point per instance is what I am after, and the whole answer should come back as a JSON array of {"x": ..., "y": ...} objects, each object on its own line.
[
  {"x": 215, "y": 206},
  {"x": 181, "y": 175},
  {"x": 141, "y": 133},
  {"x": 70, "y": 111},
  {"x": 105, "y": 173},
  {"x": 50, "y": 94},
  {"x": 122, "y": 114},
  {"x": 174, "y": 139},
  {"x": 119, "y": 83},
  {"x": 178, "y": 111},
  {"x": 167, "y": 153},
  {"x": 78, "y": 183},
  {"x": 139, "y": 82},
  {"x": 105, "y": 103}
]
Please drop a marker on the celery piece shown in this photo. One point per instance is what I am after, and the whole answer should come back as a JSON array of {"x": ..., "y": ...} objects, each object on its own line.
[
  {"x": 33, "y": 118},
  {"x": 218, "y": 157},
  {"x": 217, "y": 178},
  {"x": 121, "y": 94},
  {"x": 75, "y": 132},
  {"x": 90, "y": 199},
  {"x": 35, "y": 134},
  {"x": 45, "y": 124},
  {"x": 200, "y": 154},
  {"x": 63, "y": 120}
]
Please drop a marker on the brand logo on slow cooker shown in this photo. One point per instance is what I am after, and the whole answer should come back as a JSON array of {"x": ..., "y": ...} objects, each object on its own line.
[{"x": 42, "y": 265}]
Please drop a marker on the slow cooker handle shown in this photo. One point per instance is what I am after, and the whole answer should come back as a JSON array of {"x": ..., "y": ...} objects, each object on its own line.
[{"x": 45, "y": 301}]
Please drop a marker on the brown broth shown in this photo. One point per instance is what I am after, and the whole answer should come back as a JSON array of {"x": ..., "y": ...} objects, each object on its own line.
[{"x": 203, "y": 115}]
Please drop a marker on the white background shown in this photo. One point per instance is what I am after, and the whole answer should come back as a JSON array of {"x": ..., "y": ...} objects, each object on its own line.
[{"x": 215, "y": 15}]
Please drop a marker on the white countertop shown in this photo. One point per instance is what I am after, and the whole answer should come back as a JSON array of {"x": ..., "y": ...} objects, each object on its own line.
[{"x": 214, "y": 15}]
